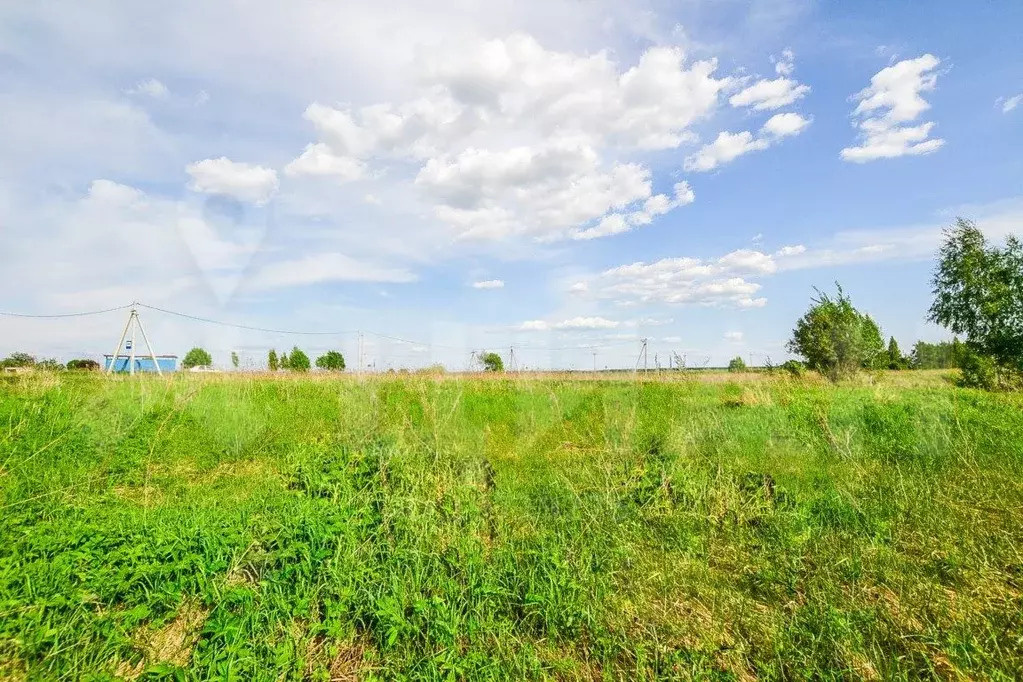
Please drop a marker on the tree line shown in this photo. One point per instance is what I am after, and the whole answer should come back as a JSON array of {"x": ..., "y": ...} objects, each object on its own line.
[{"x": 978, "y": 293}]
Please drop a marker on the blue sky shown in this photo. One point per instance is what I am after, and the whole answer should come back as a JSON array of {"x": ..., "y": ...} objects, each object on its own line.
[{"x": 561, "y": 177}]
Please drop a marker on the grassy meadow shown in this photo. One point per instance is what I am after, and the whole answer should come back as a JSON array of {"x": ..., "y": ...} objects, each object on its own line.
[{"x": 717, "y": 527}]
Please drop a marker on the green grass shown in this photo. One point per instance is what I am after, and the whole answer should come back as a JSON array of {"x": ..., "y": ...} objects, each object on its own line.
[{"x": 441, "y": 529}]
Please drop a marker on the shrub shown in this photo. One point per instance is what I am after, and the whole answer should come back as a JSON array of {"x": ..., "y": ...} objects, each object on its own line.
[
  {"x": 736, "y": 364},
  {"x": 978, "y": 371},
  {"x": 492, "y": 362},
  {"x": 298, "y": 360},
  {"x": 18, "y": 360},
  {"x": 836, "y": 339},
  {"x": 197, "y": 357},
  {"x": 794, "y": 367},
  {"x": 84, "y": 365},
  {"x": 332, "y": 360},
  {"x": 272, "y": 363}
]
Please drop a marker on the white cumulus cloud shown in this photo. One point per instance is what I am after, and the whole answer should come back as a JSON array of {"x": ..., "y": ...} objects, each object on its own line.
[
  {"x": 488, "y": 284},
  {"x": 243, "y": 181},
  {"x": 730, "y": 146},
  {"x": 149, "y": 87},
  {"x": 1011, "y": 103},
  {"x": 888, "y": 104}
]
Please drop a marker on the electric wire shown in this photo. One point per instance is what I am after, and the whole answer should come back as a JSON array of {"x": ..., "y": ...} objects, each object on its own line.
[
  {"x": 270, "y": 330},
  {"x": 63, "y": 315}
]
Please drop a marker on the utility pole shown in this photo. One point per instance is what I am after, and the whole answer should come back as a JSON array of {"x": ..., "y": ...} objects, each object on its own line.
[
  {"x": 594, "y": 361},
  {"x": 133, "y": 322},
  {"x": 511, "y": 358},
  {"x": 642, "y": 356},
  {"x": 360, "y": 353}
]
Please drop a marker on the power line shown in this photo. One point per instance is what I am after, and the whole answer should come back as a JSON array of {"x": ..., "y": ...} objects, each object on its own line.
[
  {"x": 242, "y": 326},
  {"x": 61, "y": 315},
  {"x": 269, "y": 330}
]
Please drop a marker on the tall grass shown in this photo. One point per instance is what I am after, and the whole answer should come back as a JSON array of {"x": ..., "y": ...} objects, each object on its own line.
[{"x": 417, "y": 528}]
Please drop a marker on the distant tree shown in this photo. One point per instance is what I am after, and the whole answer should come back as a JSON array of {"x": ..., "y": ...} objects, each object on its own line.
[
  {"x": 978, "y": 291},
  {"x": 18, "y": 360},
  {"x": 737, "y": 364},
  {"x": 894, "y": 357},
  {"x": 272, "y": 363},
  {"x": 84, "y": 365},
  {"x": 942, "y": 355},
  {"x": 836, "y": 339},
  {"x": 51, "y": 364},
  {"x": 332, "y": 360},
  {"x": 298, "y": 360},
  {"x": 234, "y": 359},
  {"x": 492, "y": 362},
  {"x": 283, "y": 362},
  {"x": 197, "y": 357}
]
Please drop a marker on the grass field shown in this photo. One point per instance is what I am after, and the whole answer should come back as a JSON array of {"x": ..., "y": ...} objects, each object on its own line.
[{"x": 718, "y": 528}]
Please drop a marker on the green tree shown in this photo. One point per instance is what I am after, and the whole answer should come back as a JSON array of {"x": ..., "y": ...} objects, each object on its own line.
[
  {"x": 283, "y": 362},
  {"x": 86, "y": 365},
  {"x": 332, "y": 360},
  {"x": 834, "y": 338},
  {"x": 197, "y": 357},
  {"x": 978, "y": 292},
  {"x": 18, "y": 360},
  {"x": 234, "y": 359},
  {"x": 298, "y": 360},
  {"x": 272, "y": 363},
  {"x": 894, "y": 357},
  {"x": 736, "y": 364},
  {"x": 51, "y": 364},
  {"x": 492, "y": 362}
]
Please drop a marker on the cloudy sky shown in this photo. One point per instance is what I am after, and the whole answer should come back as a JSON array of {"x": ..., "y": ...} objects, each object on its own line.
[{"x": 554, "y": 176}]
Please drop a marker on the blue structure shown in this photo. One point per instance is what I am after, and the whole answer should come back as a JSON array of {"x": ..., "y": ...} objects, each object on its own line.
[{"x": 143, "y": 363}]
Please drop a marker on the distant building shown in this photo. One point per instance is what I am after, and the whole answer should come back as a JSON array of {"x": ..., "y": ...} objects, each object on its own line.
[{"x": 143, "y": 363}]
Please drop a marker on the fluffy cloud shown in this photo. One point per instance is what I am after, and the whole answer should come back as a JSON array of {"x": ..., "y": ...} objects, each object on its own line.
[
  {"x": 241, "y": 181},
  {"x": 769, "y": 94},
  {"x": 592, "y": 324},
  {"x": 508, "y": 138},
  {"x": 730, "y": 146},
  {"x": 317, "y": 159},
  {"x": 489, "y": 284},
  {"x": 149, "y": 87},
  {"x": 733, "y": 337},
  {"x": 766, "y": 95},
  {"x": 785, "y": 66},
  {"x": 688, "y": 281},
  {"x": 892, "y": 100},
  {"x": 1011, "y": 103}
]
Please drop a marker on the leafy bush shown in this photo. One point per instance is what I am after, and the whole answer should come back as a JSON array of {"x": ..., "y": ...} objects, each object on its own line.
[
  {"x": 18, "y": 360},
  {"x": 84, "y": 364},
  {"x": 492, "y": 362},
  {"x": 197, "y": 357},
  {"x": 978, "y": 371},
  {"x": 272, "y": 363},
  {"x": 794, "y": 367},
  {"x": 736, "y": 364},
  {"x": 332, "y": 360},
  {"x": 298, "y": 360},
  {"x": 836, "y": 339},
  {"x": 50, "y": 364}
]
